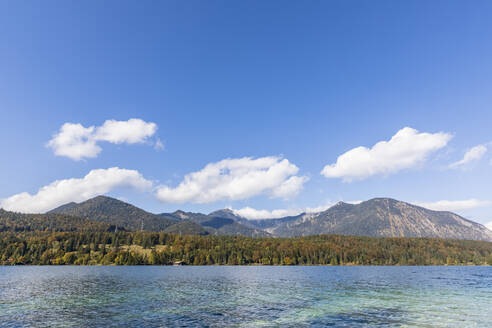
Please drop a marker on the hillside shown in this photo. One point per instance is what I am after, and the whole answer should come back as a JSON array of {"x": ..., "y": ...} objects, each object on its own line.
[
  {"x": 382, "y": 217},
  {"x": 18, "y": 222},
  {"x": 137, "y": 248},
  {"x": 186, "y": 228},
  {"x": 220, "y": 223},
  {"x": 115, "y": 212}
]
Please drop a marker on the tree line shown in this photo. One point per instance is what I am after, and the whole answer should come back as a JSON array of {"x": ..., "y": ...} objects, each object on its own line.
[{"x": 152, "y": 248}]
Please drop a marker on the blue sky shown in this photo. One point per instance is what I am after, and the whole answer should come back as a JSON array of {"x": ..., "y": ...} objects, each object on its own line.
[{"x": 302, "y": 82}]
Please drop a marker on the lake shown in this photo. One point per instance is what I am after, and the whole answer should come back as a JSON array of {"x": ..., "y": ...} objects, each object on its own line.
[{"x": 245, "y": 296}]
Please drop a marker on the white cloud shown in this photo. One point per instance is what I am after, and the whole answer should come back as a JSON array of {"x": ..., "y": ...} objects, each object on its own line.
[
  {"x": 454, "y": 205},
  {"x": 59, "y": 192},
  {"x": 77, "y": 142},
  {"x": 472, "y": 154},
  {"x": 488, "y": 225},
  {"x": 405, "y": 149},
  {"x": 354, "y": 202},
  {"x": 132, "y": 131},
  {"x": 233, "y": 179},
  {"x": 254, "y": 214},
  {"x": 289, "y": 187}
]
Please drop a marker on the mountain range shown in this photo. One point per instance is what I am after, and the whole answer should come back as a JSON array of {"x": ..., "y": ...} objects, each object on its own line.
[
  {"x": 378, "y": 217},
  {"x": 128, "y": 217}
]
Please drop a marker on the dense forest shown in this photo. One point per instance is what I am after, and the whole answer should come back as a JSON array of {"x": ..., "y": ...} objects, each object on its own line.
[
  {"x": 17, "y": 222},
  {"x": 144, "y": 248}
]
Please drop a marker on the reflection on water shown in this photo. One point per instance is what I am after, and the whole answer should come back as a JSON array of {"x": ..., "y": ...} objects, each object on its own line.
[{"x": 245, "y": 296}]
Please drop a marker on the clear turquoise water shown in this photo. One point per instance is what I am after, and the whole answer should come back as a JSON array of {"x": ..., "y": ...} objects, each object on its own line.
[{"x": 245, "y": 296}]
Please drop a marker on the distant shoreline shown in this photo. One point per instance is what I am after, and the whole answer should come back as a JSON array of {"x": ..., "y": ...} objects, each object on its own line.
[{"x": 152, "y": 248}]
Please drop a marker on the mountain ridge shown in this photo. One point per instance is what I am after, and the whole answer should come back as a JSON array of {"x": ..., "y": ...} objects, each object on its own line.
[
  {"x": 385, "y": 217},
  {"x": 124, "y": 215},
  {"x": 110, "y": 210},
  {"x": 376, "y": 217}
]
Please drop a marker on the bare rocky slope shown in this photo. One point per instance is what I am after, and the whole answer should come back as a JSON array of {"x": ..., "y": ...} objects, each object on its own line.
[{"x": 382, "y": 217}]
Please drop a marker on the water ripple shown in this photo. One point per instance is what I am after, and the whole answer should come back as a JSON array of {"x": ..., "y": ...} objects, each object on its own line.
[{"x": 245, "y": 296}]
